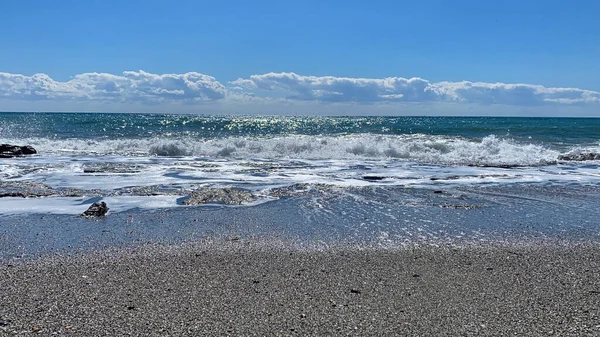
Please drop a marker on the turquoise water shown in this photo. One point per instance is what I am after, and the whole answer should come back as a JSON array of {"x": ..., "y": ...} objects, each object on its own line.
[{"x": 551, "y": 131}]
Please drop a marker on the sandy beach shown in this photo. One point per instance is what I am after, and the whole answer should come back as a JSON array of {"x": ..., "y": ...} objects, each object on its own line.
[{"x": 253, "y": 288}]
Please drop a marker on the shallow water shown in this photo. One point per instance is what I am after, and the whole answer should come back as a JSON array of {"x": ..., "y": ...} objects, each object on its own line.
[
  {"x": 388, "y": 180},
  {"x": 381, "y": 216}
]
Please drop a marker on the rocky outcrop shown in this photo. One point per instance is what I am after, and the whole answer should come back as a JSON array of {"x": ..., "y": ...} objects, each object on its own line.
[
  {"x": 97, "y": 209},
  {"x": 227, "y": 196},
  {"x": 10, "y": 151}
]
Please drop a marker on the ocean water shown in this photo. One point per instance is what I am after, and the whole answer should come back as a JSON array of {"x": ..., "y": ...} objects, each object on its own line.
[{"x": 370, "y": 174}]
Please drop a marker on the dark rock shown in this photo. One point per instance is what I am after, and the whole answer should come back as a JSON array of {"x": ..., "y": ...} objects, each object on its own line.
[
  {"x": 445, "y": 178},
  {"x": 373, "y": 178},
  {"x": 9, "y": 150},
  {"x": 13, "y": 195},
  {"x": 355, "y": 291},
  {"x": 580, "y": 156},
  {"x": 228, "y": 196},
  {"x": 453, "y": 206},
  {"x": 504, "y": 166},
  {"x": 97, "y": 209}
]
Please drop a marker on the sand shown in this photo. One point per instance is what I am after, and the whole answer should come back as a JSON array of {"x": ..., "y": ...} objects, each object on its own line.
[{"x": 243, "y": 288}]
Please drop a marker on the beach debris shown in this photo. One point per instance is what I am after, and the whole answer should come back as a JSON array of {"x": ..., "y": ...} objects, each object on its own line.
[
  {"x": 227, "y": 196},
  {"x": 97, "y": 209},
  {"x": 10, "y": 151}
]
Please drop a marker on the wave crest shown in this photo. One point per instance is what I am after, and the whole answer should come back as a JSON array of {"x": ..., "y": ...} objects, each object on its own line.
[{"x": 489, "y": 151}]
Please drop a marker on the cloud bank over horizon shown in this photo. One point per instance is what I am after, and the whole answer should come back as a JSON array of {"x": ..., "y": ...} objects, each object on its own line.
[
  {"x": 131, "y": 86},
  {"x": 192, "y": 88}
]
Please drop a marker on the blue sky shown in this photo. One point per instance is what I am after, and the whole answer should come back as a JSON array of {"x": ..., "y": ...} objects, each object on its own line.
[{"x": 552, "y": 44}]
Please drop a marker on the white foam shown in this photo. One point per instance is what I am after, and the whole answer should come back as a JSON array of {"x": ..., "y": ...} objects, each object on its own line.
[
  {"x": 259, "y": 164},
  {"x": 77, "y": 205},
  {"x": 490, "y": 150}
]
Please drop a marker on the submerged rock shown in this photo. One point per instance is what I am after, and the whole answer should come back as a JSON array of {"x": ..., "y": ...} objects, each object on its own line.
[
  {"x": 24, "y": 189},
  {"x": 580, "y": 156},
  {"x": 228, "y": 196},
  {"x": 302, "y": 189},
  {"x": 97, "y": 209},
  {"x": 112, "y": 168},
  {"x": 373, "y": 178},
  {"x": 10, "y": 151}
]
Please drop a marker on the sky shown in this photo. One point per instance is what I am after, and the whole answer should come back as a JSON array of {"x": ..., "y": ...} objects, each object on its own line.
[{"x": 429, "y": 57}]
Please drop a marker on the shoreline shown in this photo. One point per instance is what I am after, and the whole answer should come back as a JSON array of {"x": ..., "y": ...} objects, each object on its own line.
[{"x": 271, "y": 287}]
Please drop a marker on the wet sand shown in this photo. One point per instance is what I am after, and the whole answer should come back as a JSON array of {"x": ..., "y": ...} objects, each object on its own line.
[{"x": 256, "y": 288}]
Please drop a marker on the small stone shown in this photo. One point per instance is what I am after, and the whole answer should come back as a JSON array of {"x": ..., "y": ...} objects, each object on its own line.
[
  {"x": 416, "y": 275},
  {"x": 97, "y": 209},
  {"x": 69, "y": 327},
  {"x": 355, "y": 291},
  {"x": 489, "y": 268}
]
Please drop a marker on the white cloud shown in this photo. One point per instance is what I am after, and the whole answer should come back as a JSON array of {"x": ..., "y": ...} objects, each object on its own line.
[
  {"x": 131, "y": 86},
  {"x": 398, "y": 89},
  {"x": 284, "y": 93}
]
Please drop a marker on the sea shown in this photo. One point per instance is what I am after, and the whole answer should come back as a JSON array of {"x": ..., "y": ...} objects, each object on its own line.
[{"x": 325, "y": 180}]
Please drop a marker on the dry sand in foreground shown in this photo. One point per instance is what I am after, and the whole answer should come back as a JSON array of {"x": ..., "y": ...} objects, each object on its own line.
[{"x": 233, "y": 288}]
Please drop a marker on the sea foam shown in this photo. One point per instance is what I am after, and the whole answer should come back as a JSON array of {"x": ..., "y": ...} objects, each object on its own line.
[{"x": 488, "y": 151}]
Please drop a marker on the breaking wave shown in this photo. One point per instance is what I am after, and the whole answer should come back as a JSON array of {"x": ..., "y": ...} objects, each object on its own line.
[{"x": 489, "y": 151}]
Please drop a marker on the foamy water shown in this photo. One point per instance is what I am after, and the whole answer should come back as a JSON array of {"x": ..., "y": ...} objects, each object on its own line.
[{"x": 172, "y": 156}]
